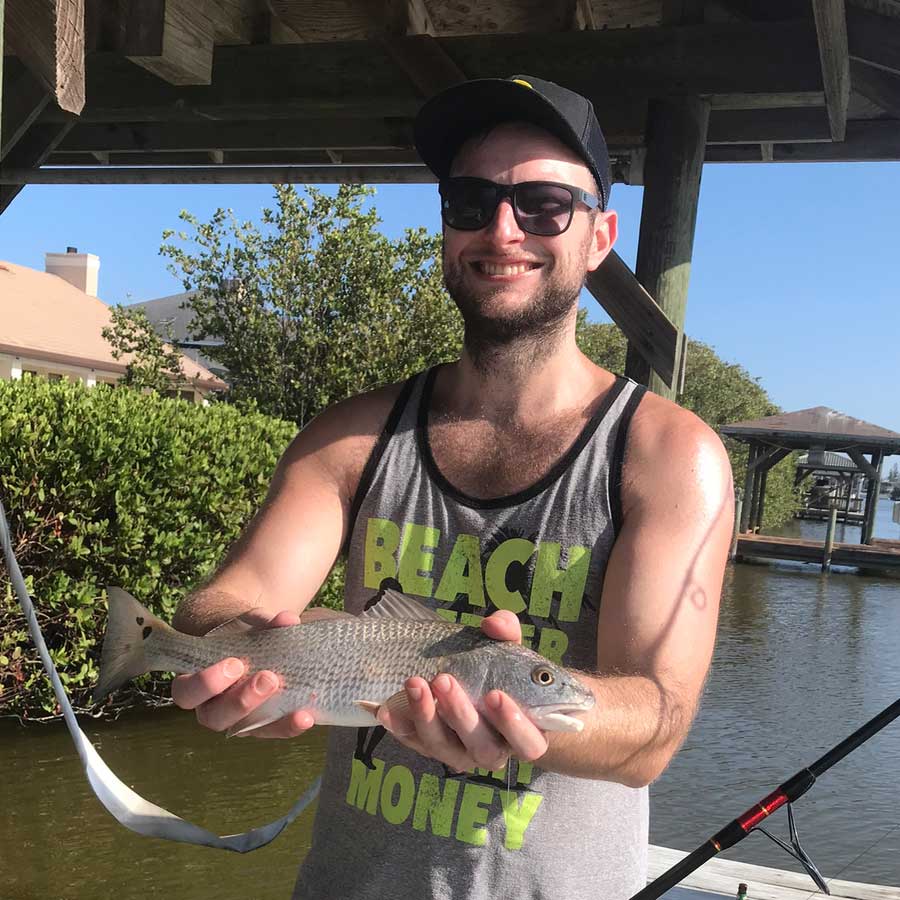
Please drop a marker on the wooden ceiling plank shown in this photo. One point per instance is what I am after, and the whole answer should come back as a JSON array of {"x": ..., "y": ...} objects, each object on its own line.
[
  {"x": 882, "y": 88},
  {"x": 13, "y": 179},
  {"x": 831, "y": 28},
  {"x": 874, "y": 39},
  {"x": 48, "y": 36},
  {"x": 25, "y": 100},
  {"x": 339, "y": 134}
]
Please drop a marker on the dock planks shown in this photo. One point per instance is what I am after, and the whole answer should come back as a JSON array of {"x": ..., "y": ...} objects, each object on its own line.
[
  {"x": 722, "y": 876},
  {"x": 879, "y": 554}
]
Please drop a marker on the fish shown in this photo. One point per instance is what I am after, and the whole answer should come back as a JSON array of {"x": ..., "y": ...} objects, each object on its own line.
[{"x": 341, "y": 667}]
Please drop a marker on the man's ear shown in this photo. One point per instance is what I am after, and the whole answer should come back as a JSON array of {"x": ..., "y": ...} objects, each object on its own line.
[{"x": 605, "y": 232}]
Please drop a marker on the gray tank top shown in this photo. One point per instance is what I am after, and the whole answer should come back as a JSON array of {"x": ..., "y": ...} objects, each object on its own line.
[{"x": 392, "y": 824}]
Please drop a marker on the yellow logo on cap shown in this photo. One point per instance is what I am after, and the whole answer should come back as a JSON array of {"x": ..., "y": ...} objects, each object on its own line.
[{"x": 520, "y": 81}]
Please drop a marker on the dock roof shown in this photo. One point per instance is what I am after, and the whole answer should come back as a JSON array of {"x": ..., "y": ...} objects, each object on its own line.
[{"x": 818, "y": 427}]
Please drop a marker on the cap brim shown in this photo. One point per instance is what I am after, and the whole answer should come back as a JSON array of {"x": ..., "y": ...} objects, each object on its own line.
[{"x": 447, "y": 120}]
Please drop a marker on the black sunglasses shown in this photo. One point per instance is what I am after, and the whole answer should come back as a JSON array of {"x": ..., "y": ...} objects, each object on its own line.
[{"x": 541, "y": 207}]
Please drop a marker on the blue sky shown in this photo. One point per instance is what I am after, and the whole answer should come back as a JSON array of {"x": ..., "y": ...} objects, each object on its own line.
[{"x": 793, "y": 273}]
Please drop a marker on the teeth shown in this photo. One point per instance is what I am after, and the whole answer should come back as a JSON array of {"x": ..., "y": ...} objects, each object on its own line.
[{"x": 494, "y": 269}]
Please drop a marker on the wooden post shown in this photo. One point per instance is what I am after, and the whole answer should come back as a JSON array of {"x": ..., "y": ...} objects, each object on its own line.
[
  {"x": 760, "y": 509},
  {"x": 829, "y": 540},
  {"x": 1, "y": 73},
  {"x": 676, "y": 143},
  {"x": 738, "y": 512},
  {"x": 872, "y": 498},
  {"x": 752, "y": 452}
]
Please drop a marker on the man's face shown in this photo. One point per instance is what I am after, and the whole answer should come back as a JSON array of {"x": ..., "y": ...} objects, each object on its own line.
[{"x": 508, "y": 283}]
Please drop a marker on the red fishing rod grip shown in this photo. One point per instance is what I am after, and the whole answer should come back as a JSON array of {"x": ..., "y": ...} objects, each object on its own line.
[{"x": 762, "y": 810}]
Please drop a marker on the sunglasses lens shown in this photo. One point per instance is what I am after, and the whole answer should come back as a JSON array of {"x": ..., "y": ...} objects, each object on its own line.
[
  {"x": 544, "y": 209},
  {"x": 468, "y": 205}
]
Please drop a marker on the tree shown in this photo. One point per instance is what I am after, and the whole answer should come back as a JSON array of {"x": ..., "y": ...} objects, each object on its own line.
[
  {"x": 716, "y": 391},
  {"x": 314, "y": 304},
  {"x": 155, "y": 365}
]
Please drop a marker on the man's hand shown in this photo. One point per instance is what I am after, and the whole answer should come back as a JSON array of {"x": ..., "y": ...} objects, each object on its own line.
[
  {"x": 221, "y": 695},
  {"x": 445, "y": 725}
]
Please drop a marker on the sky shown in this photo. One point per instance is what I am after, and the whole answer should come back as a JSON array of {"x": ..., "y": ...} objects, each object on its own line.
[{"x": 793, "y": 273}]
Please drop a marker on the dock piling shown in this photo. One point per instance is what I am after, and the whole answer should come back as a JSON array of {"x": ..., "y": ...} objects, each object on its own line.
[{"x": 829, "y": 540}]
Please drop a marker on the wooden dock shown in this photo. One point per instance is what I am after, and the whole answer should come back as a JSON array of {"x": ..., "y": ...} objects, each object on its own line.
[
  {"x": 880, "y": 554},
  {"x": 722, "y": 876}
]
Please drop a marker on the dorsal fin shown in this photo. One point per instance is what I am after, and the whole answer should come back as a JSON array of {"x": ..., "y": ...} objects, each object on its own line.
[
  {"x": 322, "y": 614},
  {"x": 394, "y": 605}
]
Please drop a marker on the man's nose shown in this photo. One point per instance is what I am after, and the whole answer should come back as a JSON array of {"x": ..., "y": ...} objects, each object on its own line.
[{"x": 504, "y": 227}]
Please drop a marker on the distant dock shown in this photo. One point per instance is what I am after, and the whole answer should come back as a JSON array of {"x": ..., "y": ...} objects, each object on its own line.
[{"x": 880, "y": 554}]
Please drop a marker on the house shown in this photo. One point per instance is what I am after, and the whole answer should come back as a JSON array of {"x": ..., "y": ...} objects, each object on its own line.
[
  {"x": 51, "y": 324},
  {"x": 171, "y": 321}
]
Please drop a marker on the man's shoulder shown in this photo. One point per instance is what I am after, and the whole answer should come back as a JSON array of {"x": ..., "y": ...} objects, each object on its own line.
[{"x": 667, "y": 442}]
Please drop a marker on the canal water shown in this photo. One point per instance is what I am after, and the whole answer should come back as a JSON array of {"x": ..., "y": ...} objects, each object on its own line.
[{"x": 802, "y": 659}]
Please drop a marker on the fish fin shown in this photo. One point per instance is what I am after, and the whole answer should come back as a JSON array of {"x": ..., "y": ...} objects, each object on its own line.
[
  {"x": 233, "y": 626},
  {"x": 124, "y": 656},
  {"x": 397, "y": 703},
  {"x": 322, "y": 614},
  {"x": 369, "y": 707},
  {"x": 268, "y": 712},
  {"x": 393, "y": 605}
]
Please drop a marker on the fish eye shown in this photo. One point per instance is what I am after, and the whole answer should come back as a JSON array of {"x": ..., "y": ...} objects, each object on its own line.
[{"x": 542, "y": 675}]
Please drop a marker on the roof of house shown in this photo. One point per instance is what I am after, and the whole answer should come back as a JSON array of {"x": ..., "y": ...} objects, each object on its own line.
[
  {"x": 818, "y": 426},
  {"x": 43, "y": 316}
]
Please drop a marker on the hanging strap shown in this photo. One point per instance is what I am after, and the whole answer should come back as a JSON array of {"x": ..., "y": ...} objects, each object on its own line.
[{"x": 128, "y": 807}]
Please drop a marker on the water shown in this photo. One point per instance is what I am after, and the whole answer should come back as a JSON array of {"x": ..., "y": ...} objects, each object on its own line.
[{"x": 801, "y": 661}]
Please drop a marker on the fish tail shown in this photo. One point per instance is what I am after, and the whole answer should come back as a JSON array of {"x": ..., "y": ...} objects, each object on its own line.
[{"x": 128, "y": 644}]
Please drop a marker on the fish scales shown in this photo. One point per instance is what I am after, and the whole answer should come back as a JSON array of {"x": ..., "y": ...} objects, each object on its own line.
[{"x": 341, "y": 668}]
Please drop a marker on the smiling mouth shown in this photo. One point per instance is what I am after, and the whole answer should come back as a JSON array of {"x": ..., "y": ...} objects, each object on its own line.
[{"x": 489, "y": 268}]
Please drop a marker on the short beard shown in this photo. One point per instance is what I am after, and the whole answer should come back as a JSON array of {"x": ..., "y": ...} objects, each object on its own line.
[{"x": 527, "y": 335}]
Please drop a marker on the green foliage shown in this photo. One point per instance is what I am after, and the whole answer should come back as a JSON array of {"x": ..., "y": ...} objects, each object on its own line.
[
  {"x": 104, "y": 487},
  {"x": 154, "y": 365},
  {"x": 717, "y": 392},
  {"x": 314, "y": 304}
]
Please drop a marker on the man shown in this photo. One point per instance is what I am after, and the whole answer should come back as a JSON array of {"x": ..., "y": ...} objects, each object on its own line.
[{"x": 590, "y": 518}]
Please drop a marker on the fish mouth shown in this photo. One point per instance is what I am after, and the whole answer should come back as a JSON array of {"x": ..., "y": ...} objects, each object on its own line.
[{"x": 556, "y": 716}]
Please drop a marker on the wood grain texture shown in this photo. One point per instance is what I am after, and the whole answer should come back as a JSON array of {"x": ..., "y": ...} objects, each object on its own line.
[
  {"x": 874, "y": 39},
  {"x": 831, "y": 27},
  {"x": 48, "y": 36}
]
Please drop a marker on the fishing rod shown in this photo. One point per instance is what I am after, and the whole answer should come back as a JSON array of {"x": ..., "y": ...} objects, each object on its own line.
[{"x": 792, "y": 789}]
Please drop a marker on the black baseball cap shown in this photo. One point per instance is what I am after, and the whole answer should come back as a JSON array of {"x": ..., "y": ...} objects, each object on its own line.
[{"x": 449, "y": 118}]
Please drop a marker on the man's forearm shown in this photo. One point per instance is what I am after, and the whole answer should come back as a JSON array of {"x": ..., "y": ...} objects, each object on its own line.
[
  {"x": 206, "y": 608},
  {"x": 629, "y": 736}
]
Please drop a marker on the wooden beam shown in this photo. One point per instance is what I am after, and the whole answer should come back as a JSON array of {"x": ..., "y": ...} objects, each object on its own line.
[
  {"x": 865, "y": 142},
  {"x": 48, "y": 36},
  {"x": 831, "y": 27},
  {"x": 862, "y": 463},
  {"x": 780, "y": 100},
  {"x": 14, "y": 178},
  {"x": 756, "y": 126},
  {"x": 643, "y": 323},
  {"x": 26, "y": 99},
  {"x": 882, "y": 88},
  {"x": 425, "y": 62},
  {"x": 175, "y": 39},
  {"x": 30, "y": 153},
  {"x": 2, "y": 32},
  {"x": 874, "y": 39},
  {"x": 675, "y": 148},
  {"x": 407, "y": 17},
  {"x": 242, "y": 158},
  {"x": 310, "y": 134},
  {"x": 583, "y": 18}
]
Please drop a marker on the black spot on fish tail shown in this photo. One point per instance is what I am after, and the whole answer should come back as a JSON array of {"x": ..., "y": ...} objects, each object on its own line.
[
  {"x": 147, "y": 632},
  {"x": 139, "y": 620}
]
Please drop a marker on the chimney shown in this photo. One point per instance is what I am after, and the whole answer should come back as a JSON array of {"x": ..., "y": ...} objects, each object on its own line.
[{"x": 79, "y": 269}]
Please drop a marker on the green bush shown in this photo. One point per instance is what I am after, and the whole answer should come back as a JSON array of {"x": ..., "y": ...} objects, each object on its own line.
[{"x": 113, "y": 487}]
